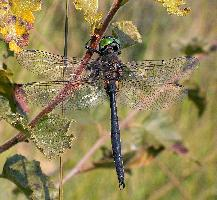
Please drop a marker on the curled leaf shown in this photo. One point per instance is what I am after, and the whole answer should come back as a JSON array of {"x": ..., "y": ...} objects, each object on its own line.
[
  {"x": 51, "y": 135},
  {"x": 175, "y": 7},
  {"x": 90, "y": 10},
  {"x": 16, "y": 20},
  {"x": 29, "y": 178},
  {"x": 127, "y": 33}
]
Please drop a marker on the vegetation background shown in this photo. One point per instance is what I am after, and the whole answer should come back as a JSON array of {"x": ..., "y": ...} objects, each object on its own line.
[{"x": 170, "y": 176}]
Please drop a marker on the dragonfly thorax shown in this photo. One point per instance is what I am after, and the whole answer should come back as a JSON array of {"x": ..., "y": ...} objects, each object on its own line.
[
  {"x": 111, "y": 67},
  {"x": 109, "y": 45}
]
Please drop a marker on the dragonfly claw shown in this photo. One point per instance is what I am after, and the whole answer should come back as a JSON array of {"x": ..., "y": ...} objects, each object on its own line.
[{"x": 121, "y": 185}]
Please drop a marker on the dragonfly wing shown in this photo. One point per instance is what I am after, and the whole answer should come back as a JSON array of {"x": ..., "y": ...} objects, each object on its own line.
[
  {"x": 86, "y": 96},
  {"x": 47, "y": 65},
  {"x": 41, "y": 93},
  {"x": 151, "y": 72},
  {"x": 153, "y": 97},
  {"x": 153, "y": 84}
]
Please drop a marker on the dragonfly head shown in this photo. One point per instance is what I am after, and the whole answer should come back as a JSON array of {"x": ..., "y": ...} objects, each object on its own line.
[{"x": 109, "y": 44}]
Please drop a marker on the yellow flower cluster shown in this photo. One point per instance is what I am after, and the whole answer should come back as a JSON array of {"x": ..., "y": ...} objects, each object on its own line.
[
  {"x": 174, "y": 7},
  {"x": 24, "y": 9},
  {"x": 16, "y": 20},
  {"x": 90, "y": 9}
]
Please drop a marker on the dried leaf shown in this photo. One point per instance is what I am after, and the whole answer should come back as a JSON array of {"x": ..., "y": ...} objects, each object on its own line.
[
  {"x": 29, "y": 178},
  {"x": 137, "y": 158},
  {"x": 90, "y": 10},
  {"x": 127, "y": 33},
  {"x": 144, "y": 156},
  {"x": 16, "y": 20},
  {"x": 174, "y": 7},
  {"x": 51, "y": 135}
]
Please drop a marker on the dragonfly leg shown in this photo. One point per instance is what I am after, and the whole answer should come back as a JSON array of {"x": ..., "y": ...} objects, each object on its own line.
[{"x": 90, "y": 48}]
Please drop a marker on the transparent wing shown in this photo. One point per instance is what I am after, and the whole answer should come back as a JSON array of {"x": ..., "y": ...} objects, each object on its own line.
[
  {"x": 46, "y": 65},
  {"x": 153, "y": 84},
  {"x": 41, "y": 93},
  {"x": 152, "y": 72},
  {"x": 153, "y": 97},
  {"x": 85, "y": 97}
]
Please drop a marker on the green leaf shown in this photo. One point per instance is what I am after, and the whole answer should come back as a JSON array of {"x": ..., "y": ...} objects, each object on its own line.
[
  {"x": 29, "y": 178},
  {"x": 8, "y": 104},
  {"x": 127, "y": 33},
  {"x": 4, "y": 49},
  {"x": 52, "y": 136},
  {"x": 161, "y": 127},
  {"x": 194, "y": 47},
  {"x": 200, "y": 101},
  {"x": 90, "y": 10},
  {"x": 7, "y": 88},
  {"x": 15, "y": 119},
  {"x": 157, "y": 129}
]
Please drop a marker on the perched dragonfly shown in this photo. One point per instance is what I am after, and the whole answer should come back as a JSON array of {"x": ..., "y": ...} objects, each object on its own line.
[{"x": 147, "y": 84}]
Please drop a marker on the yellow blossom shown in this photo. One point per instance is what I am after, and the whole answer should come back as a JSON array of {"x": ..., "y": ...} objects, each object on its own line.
[
  {"x": 174, "y": 7},
  {"x": 14, "y": 47},
  {"x": 20, "y": 30},
  {"x": 16, "y": 20}
]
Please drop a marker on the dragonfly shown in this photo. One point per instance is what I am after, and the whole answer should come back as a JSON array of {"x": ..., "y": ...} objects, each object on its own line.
[{"x": 146, "y": 84}]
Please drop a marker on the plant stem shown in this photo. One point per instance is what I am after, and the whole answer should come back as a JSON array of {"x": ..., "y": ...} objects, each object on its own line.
[{"x": 72, "y": 85}]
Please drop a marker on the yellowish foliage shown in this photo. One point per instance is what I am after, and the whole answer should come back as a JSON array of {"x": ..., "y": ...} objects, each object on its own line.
[
  {"x": 127, "y": 33},
  {"x": 174, "y": 7},
  {"x": 90, "y": 10},
  {"x": 16, "y": 20}
]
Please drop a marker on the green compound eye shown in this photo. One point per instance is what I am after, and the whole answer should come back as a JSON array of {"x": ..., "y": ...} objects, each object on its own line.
[{"x": 108, "y": 41}]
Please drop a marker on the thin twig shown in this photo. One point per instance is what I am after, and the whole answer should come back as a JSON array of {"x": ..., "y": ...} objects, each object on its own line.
[
  {"x": 71, "y": 86},
  {"x": 174, "y": 180},
  {"x": 163, "y": 190}
]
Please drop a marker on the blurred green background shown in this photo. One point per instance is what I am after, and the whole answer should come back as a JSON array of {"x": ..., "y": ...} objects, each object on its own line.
[{"x": 169, "y": 176}]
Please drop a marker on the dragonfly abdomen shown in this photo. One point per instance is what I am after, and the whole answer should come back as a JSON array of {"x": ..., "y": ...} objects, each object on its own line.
[{"x": 115, "y": 134}]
